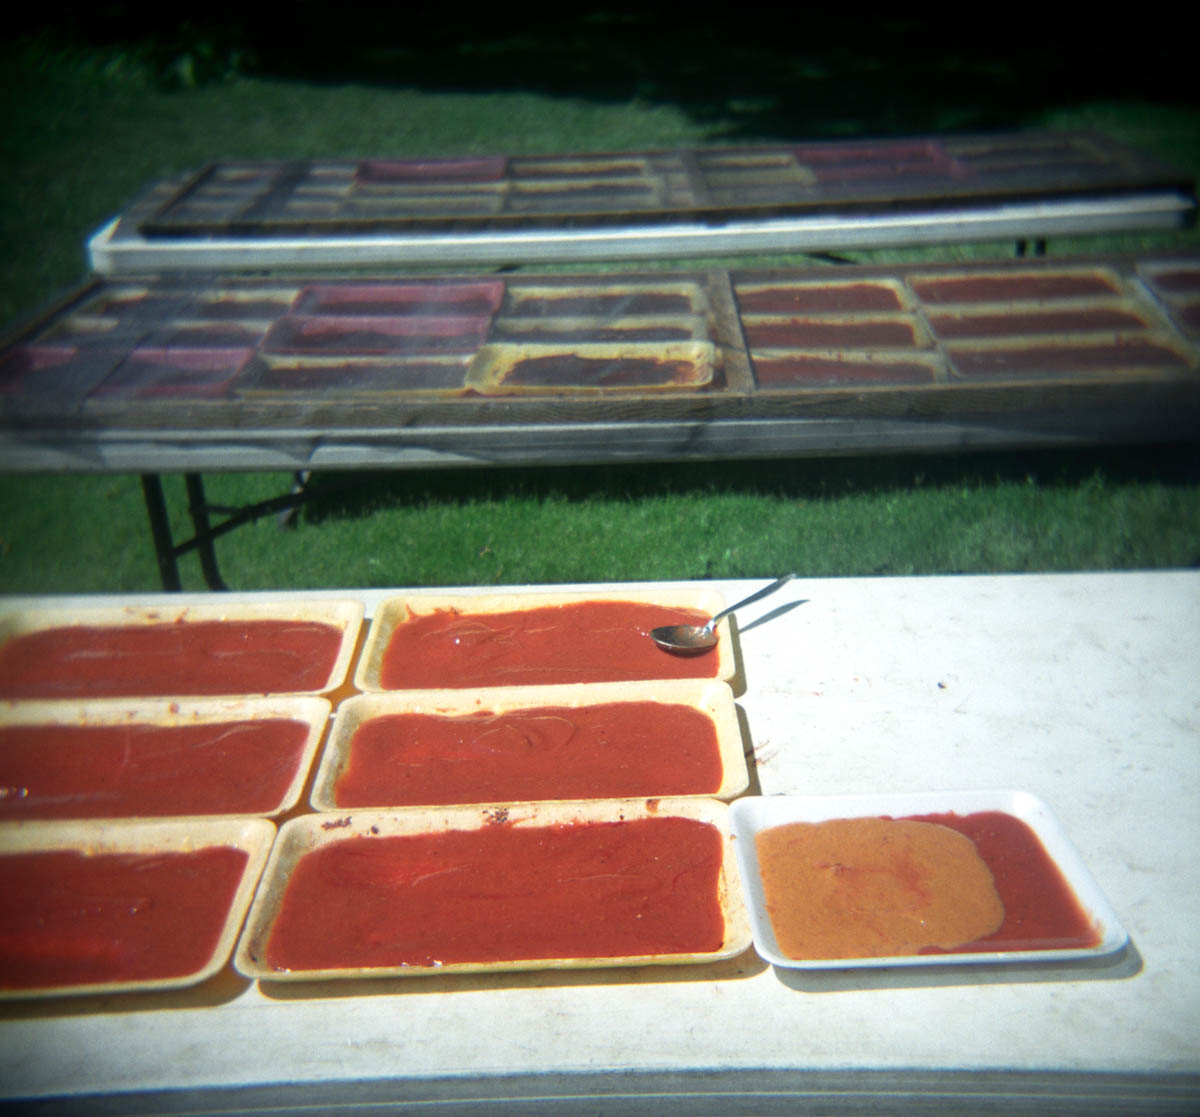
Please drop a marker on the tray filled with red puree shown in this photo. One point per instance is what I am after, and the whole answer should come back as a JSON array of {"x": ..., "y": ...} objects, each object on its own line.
[
  {"x": 428, "y": 642},
  {"x": 589, "y": 366},
  {"x": 108, "y": 907},
  {"x": 156, "y": 758},
  {"x": 599, "y": 741},
  {"x": 917, "y": 879},
  {"x": 196, "y": 650},
  {"x": 513, "y": 887}
]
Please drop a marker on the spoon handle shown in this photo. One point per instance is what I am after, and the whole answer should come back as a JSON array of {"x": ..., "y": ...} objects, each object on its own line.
[{"x": 748, "y": 600}]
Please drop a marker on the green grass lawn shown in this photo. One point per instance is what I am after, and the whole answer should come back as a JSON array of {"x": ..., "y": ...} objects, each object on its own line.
[{"x": 87, "y": 124}]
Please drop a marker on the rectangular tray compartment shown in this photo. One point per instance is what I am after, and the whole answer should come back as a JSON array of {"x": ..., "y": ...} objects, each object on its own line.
[
  {"x": 600, "y": 331},
  {"x": 1177, "y": 285},
  {"x": 463, "y": 299},
  {"x": 65, "y": 930},
  {"x": 604, "y": 300},
  {"x": 480, "y": 168},
  {"x": 130, "y": 759},
  {"x": 998, "y": 322},
  {"x": 713, "y": 700},
  {"x": 1043, "y": 286},
  {"x": 54, "y": 375},
  {"x": 397, "y": 610},
  {"x": 254, "y": 305},
  {"x": 175, "y": 372},
  {"x": 343, "y": 618},
  {"x": 305, "y": 834},
  {"x": 369, "y": 377},
  {"x": 791, "y": 371},
  {"x": 835, "y": 332},
  {"x": 364, "y": 335},
  {"x": 569, "y": 166},
  {"x": 588, "y": 369},
  {"x": 1084, "y": 357},
  {"x": 806, "y": 297}
]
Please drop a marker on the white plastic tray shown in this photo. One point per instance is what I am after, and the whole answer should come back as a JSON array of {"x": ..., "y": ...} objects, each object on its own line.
[{"x": 751, "y": 815}]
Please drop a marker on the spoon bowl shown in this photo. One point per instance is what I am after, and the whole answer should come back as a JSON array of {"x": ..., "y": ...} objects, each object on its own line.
[
  {"x": 685, "y": 639},
  {"x": 693, "y": 639}
]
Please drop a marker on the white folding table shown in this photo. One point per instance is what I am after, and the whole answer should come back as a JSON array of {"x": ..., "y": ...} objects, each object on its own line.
[{"x": 1080, "y": 688}]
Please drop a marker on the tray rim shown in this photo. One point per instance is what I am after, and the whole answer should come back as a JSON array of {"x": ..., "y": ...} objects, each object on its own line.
[
  {"x": 306, "y": 832},
  {"x": 711, "y": 697},
  {"x": 253, "y": 835},
  {"x": 749, "y": 815}
]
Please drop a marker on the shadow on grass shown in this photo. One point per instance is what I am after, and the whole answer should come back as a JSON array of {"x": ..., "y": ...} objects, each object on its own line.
[
  {"x": 746, "y": 78},
  {"x": 336, "y": 496}
]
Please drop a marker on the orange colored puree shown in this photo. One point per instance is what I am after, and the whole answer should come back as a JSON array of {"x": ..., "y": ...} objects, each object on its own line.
[
  {"x": 582, "y": 642},
  {"x": 502, "y": 893},
  {"x": 67, "y": 918},
  {"x": 872, "y": 887},
  {"x": 183, "y": 657},
  {"x": 881, "y": 887},
  {"x": 610, "y": 751},
  {"x": 113, "y": 771}
]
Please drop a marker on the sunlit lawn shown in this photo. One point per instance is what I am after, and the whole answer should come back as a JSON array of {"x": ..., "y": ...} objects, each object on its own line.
[{"x": 85, "y": 132}]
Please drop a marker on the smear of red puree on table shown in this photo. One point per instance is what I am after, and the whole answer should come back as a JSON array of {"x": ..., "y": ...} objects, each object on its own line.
[
  {"x": 113, "y": 771},
  {"x": 609, "y": 751},
  {"x": 583, "y": 642},
  {"x": 183, "y": 658},
  {"x": 501, "y": 893},
  {"x": 71, "y": 919}
]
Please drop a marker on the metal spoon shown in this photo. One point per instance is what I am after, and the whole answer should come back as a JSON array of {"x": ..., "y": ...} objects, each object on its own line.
[{"x": 692, "y": 639}]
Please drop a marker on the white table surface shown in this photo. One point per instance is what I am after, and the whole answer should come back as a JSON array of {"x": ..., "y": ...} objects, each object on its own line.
[{"x": 1083, "y": 689}]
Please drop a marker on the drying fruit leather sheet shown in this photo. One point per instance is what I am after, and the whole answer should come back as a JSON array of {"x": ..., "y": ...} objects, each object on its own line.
[
  {"x": 519, "y": 886},
  {"x": 262, "y": 198},
  {"x": 1118, "y": 339}
]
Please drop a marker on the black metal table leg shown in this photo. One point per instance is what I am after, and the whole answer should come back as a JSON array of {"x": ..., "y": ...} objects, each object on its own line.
[
  {"x": 168, "y": 551},
  {"x": 198, "y": 509},
  {"x": 160, "y": 531}
]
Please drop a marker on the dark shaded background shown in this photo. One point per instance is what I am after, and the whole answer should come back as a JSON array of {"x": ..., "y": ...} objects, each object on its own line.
[{"x": 788, "y": 73}]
